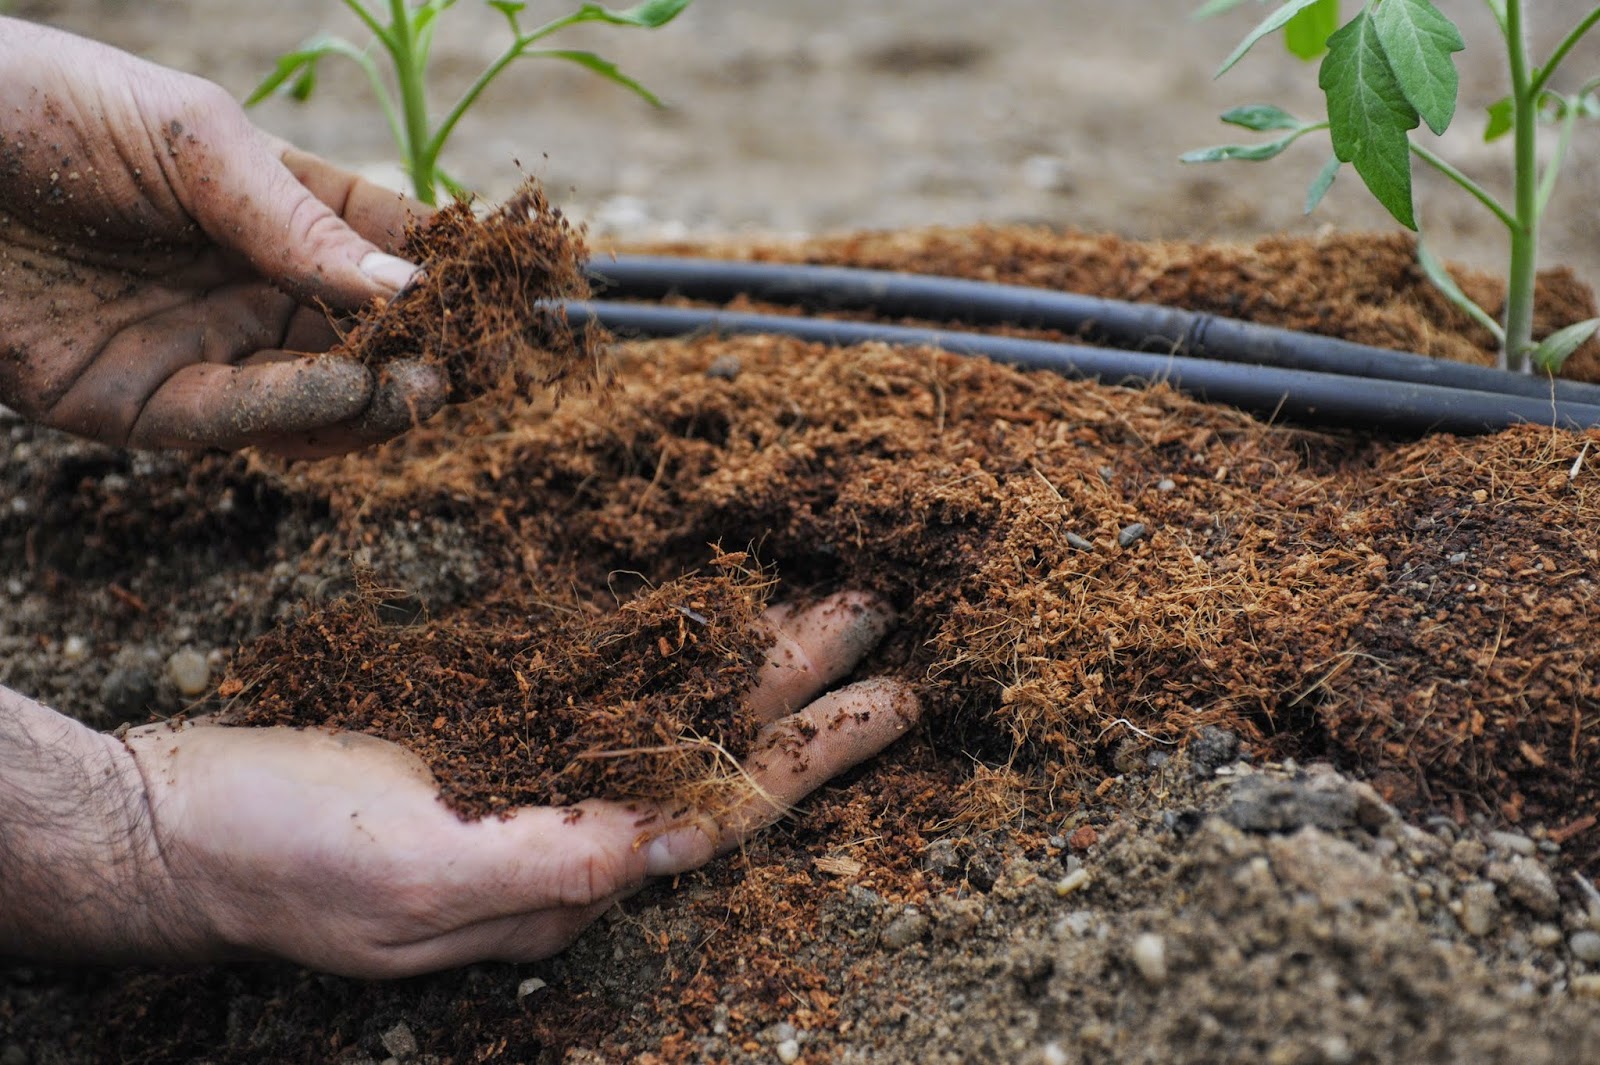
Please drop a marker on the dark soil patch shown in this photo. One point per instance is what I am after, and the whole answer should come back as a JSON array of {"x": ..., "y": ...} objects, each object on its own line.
[{"x": 1304, "y": 590}]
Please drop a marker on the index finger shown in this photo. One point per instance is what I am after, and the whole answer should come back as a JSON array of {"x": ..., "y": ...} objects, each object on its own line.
[{"x": 377, "y": 213}]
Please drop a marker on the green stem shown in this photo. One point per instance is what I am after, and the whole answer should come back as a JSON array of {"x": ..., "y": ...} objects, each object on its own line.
[
  {"x": 413, "y": 104},
  {"x": 440, "y": 135},
  {"x": 1525, "y": 233},
  {"x": 1477, "y": 190},
  {"x": 1569, "y": 120},
  {"x": 492, "y": 71},
  {"x": 1567, "y": 44}
]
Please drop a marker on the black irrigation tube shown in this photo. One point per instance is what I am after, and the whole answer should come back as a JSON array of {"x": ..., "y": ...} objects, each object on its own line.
[
  {"x": 1301, "y": 395},
  {"x": 1130, "y": 326}
]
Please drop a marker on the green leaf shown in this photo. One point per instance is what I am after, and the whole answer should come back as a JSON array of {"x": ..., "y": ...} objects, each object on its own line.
[
  {"x": 1275, "y": 21},
  {"x": 1261, "y": 118},
  {"x": 1558, "y": 346},
  {"x": 1501, "y": 120},
  {"x": 1451, "y": 291},
  {"x": 1322, "y": 183},
  {"x": 650, "y": 14},
  {"x": 1369, "y": 117},
  {"x": 1251, "y": 152},
  {"x": 1419, "y": 41},
  {"x": 605, "y": 68},
  {"x": 297, "y": 68},
  {"x": 1306, "y": 35}
]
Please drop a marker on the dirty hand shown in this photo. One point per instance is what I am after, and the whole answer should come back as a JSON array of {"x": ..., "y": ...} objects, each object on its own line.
[
  {"x": 334, "y": 851},
  {"x": 160, "y": 257}
]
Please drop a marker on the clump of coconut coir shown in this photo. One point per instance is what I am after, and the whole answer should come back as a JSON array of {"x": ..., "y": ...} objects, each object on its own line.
[
  {"x": 485, "y": 307},
  {"x": 518, "y": 703}
]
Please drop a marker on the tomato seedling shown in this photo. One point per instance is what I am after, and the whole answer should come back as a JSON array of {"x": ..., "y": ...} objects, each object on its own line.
[
  {"x": 1392, "y": 68},
  {"x": 407, "y": 41}
]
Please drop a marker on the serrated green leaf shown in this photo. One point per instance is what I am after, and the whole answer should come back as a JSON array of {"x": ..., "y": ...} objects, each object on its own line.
[
  {"x": 1369, "y": 117},
  {"x": 1501, "y": 120},
  {"x": 604, "y": 67},
  {"x": 1306, "y": 35},
  {"x": 1451, "y": 291},
  {"x": 1249, "y": 152},
  {"x": 1322, "y": 183},
  {"x": 1261, "y": 118},
  {"x": 1419, "y": 41},
  {"x": 1556, "y": 348},
  {"x": 1275, "y": 21}
]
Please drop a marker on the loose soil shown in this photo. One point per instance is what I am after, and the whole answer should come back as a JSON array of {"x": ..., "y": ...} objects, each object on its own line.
[
  {"x": 1051, "y": 869},
  {"x": 1069, "y": 862}
]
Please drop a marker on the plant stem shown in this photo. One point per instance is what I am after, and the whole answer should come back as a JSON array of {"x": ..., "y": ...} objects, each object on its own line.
[
  {"x": 413, "y": 104},
  {"x": 1480, "y": 193},
  {"x": 1567, "y": 43},
  {"x": 1525, "y": 233}
]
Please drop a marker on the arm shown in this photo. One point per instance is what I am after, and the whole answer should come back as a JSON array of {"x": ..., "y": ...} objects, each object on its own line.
[{"x": 81, "y": 875}]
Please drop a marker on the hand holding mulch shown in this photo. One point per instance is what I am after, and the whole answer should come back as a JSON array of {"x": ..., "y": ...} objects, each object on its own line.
[
  {"x": 168, "y": 269},
  {"x": 333, "y": 849}
]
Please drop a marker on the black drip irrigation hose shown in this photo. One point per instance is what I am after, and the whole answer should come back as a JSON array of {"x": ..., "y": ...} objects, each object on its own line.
[
  {"x": 1301, "y": 395},
  {"x": 1260, "y": 368}
]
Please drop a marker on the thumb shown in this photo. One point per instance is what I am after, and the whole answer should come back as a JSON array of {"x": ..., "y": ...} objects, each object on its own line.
[{"x": 237, "y": 187}]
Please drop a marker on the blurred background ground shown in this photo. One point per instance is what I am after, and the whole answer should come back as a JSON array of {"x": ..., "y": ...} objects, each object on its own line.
[{"x": 834, "y": 114}]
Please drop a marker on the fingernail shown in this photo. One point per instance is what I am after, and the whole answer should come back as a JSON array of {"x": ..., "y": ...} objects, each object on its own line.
[
  {"x": 676, "y": 852},
  {"x": 388, "y": 270}
]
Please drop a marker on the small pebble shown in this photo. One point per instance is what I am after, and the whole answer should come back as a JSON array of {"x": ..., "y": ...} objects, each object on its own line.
[
  {"x": 529, "y": 986},
  {"x": 1531, "y": 888},
  {"x": 1544, "y": 936},
  {"x": 1587, "y": 985},
  {"x": 400, "y": 1042},
  {"x": 788, "y": 1051},
  {"x": 1585, "y": 946},
  {"x": 1131, "y": 534},
  {"x": 1336, "y": 1050},
  {"x": 1150, "y": 958},
  {"x": 189, "y": 671},
  {"x": 905, "y": 929},
  {"x": 1512, "y": 843},
  {"x": 1079, "y": 543},
  {"x": 75, "y": 649},
  {"x": 1053, "y": 1054},
  {"x": 1166, "y": 484},
  {"x": 1074, "y": 880},
  {"x": 1479, "y": 908},
  {"x": 725, "y": 367}
]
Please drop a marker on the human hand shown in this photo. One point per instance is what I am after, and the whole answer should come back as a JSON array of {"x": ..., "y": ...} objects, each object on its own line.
[
  {"x": 161, "y": 258},
  {"x": 333, "y": 849}
]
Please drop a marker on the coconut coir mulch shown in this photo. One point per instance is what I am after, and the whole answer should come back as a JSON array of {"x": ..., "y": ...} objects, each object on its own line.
[{"x": 1416, "y": 611}]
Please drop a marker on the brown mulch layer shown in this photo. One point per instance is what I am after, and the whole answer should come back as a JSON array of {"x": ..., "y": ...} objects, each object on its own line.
[
  {"x": 532, "y": 702},
  {"x": 1288, "y": 584},
  {"x": 476, "y": 310}
]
